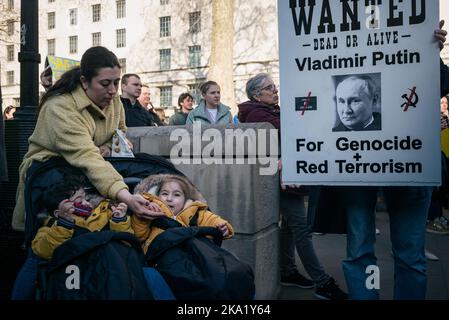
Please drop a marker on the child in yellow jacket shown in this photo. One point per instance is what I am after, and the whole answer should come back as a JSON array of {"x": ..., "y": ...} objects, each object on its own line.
[
  {"x": 178, "y": 199},
  {"x": 73, "y": 205}
]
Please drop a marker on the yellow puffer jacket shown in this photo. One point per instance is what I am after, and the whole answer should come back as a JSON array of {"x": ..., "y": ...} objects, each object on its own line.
[
  {"x": 146, "y": 233},
  {"x": 49, "y": 238}
]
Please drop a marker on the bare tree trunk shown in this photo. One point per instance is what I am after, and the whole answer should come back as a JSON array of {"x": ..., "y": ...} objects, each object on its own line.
[{"x": 222, "y": 52}]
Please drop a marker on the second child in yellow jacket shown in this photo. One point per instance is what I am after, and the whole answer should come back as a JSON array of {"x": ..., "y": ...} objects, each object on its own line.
[
  {"x": 85, "y": 210},
  {"x": 174, "y": 195}
]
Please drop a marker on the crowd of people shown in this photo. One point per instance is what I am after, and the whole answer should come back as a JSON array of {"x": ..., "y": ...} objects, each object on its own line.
[{"x": 77, "y": 118}]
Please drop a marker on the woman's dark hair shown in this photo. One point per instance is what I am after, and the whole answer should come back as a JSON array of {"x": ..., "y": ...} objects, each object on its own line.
[
  {"x": 92, "y": 61},
  {"x": 62, "y": 190}
]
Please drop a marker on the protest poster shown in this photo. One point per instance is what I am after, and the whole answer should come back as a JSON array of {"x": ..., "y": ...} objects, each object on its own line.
[
  {"x": 359, "y": 92},
  {"x": 59, "y": 65}
]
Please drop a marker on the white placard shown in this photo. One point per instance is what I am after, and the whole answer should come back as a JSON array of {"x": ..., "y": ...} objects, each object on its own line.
[{"x": 359, "y": 92}]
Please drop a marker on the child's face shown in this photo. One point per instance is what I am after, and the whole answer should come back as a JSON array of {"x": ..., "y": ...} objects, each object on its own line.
[
  {"x": 81, "y": 202},
  {"x": 173, "y": 196}
]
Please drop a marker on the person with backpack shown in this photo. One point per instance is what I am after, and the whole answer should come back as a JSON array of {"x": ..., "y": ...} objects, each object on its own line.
[
  {"x": 74, "y": 205},
  {"x": 176, "y": 197}
]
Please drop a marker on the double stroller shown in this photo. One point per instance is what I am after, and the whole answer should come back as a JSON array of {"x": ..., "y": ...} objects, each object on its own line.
[
  {"x": 101, "y": 265},
  {"x": 110, "y": 265}
]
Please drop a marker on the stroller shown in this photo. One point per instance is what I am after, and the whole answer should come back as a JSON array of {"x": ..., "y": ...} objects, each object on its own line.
[
  {"x": 93, "y": 279},
  {"x": 223, "y": 273}
]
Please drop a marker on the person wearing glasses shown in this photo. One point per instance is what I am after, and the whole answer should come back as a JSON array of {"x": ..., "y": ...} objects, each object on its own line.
[{"x": 295, "y": 232}]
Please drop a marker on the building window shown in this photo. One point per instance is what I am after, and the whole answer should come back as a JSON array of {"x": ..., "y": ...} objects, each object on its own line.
[
  {"x": 51, "y": 1},
  {"x": 164, "y": 59},
  {"x": 194, "y": 91},
  {"x": 10, "y": 52},
  {"x": 73, "y": 16},
  {"x": 166, "y": 96},
  {"x": 10, "y": 27},
  {"x": 122, "y": 64},
  {"x": 16, "y": 101},
  {"x": 51, "y": 47},
  {"x": 10, "y": 4},
  {"x": 195, "y": 22},
  {"x": 73, "y": 44},
  {"x": 121, "y": 38},
  {"x": 164, "y": 26},
  {"x": 164, "y": 2},
  {"x": 121, "y": 9},
  {"x": 96, "y": 39},
  {"x": 10, "y": 77},
  {"x": 51, "y": 20},
  {"x": 194, "y": 56},
  {"x": 96, "y": 12}
]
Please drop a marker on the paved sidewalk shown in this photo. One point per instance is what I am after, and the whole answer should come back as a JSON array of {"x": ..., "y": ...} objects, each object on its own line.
[{"x": 331, "y": 251}]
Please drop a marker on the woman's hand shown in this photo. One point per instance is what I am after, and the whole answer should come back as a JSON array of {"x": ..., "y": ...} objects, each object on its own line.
[
  {"x": 285, "y": 186},
  {"x": 440, "y": 35},
  {"x": 141, "y": 207}
]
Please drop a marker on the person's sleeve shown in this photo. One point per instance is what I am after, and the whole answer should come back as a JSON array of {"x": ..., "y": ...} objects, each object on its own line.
[
  {"x": 70, "y": 137},
  {"x": 171, "y": 120},
  {"x": 261, "y": 115},
  {"x": 121, "y": 224},
  {"x": 49, "y": 238},
  {"x": 209, "y": 219},
  {"x": 444, "y": 78},
  {"x": 141, "y": 228}
]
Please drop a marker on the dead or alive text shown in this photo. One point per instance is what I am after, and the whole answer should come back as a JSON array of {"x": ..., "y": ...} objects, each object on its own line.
[{"x": 357, "y": 61}]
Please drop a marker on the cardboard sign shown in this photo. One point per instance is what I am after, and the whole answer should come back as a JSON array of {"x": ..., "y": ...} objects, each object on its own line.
[
  {"x": 60, "y": 65},
  {"x": 359, "y": 92}
]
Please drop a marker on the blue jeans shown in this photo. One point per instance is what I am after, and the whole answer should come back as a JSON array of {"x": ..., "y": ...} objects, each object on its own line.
[
  {"x": 157, "y": 285},
  {"x": 407, "y": 208},
  {"x": 25, "y": 284}
]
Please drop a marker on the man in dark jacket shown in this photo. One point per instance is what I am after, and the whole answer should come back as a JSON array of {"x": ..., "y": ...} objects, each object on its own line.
[
  {"x": 185, "y": 103},
  {"x": 136, "y": 115},
  {"x": 145, "y": 101}
]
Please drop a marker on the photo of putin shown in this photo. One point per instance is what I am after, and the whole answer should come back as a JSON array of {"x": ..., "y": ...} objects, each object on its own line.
[{"x": 357, "y": 99}]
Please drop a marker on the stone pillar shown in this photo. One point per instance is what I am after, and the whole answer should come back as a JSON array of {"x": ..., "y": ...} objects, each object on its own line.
[{"x": 238, "y": 192}]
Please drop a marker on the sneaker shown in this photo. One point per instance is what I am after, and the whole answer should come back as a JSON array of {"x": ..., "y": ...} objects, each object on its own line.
[
  {"x": 330, "y": 291},
  {"x": 297, "y": 280},
  {"x": 377, "y": 231},
  {"x": 430, "y": 256},
  {"x": 437, "y": 227}
]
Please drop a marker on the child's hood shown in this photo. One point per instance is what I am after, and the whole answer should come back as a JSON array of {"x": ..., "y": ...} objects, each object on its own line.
[{"x": 152, "y": 183}]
